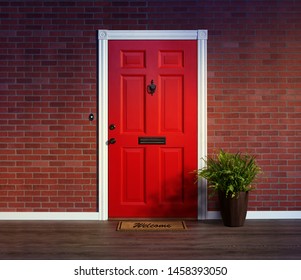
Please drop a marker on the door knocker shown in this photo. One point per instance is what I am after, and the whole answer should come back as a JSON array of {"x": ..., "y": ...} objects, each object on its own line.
[{"x": 151, "y": 88}]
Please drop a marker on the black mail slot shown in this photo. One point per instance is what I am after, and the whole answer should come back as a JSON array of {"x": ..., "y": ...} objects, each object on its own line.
[{"x": 152, "y": 140}]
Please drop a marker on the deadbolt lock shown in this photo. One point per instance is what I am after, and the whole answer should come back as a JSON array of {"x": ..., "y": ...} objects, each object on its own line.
[{"x": 112, "y": 126}]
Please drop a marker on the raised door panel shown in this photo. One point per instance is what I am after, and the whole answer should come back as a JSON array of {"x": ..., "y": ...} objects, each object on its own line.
[
  {"x": 172, "y": 103},
  {"x": 133, "y": 176},
  {"x": 171, "y": 181},
  {"x": 132, "y": 59},
  {"x": 132, "y": 104}
]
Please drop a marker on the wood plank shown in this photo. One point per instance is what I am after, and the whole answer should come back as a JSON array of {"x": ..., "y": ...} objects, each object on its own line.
[{"x": 257, "y": 239}]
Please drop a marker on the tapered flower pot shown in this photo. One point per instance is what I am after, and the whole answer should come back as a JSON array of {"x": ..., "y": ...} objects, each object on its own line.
[{"x": 233, "y": 209}]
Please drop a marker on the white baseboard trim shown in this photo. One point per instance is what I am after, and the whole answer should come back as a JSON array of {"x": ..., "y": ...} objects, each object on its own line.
[
  {"x": 56, "y": 216},
  {"x": 214, "y": 215},
  {"x": 95, "y": 216}
]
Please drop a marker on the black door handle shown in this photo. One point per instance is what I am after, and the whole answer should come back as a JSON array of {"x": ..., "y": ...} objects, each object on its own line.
[{"x": 112, "y": 141}]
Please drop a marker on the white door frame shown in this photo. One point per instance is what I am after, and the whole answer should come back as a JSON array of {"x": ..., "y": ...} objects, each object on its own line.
[{"x": 103, "y": 37}]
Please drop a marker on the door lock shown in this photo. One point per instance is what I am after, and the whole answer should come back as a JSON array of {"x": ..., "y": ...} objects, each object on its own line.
[
  {"x": 112, "y": 141},
  {"x": 112, "y": 126}
]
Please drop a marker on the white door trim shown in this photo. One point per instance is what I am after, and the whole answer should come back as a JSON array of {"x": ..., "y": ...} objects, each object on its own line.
[{"x": 103, "y": 37}]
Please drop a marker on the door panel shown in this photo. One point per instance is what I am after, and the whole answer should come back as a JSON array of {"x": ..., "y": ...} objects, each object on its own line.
[
  {"x": 172, "y": 175},
  {"x": 132, "y": 59},
  {"x": 170, "y": 59},
  {"x": 133, "y": 100},
  {"x": 133, "y": 176},
  {"x": 172, "y": 101},
  {"x": 152, "y": 180}
]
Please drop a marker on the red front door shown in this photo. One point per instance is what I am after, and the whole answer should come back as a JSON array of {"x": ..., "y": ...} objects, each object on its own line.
[{"x": 152, "y": 136}]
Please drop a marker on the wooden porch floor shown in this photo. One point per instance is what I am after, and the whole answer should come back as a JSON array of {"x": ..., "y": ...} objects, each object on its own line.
[{"x": 93, "y": 240}]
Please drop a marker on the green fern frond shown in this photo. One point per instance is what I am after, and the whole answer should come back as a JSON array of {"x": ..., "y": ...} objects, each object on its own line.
[{"x": 228, "y": 172}]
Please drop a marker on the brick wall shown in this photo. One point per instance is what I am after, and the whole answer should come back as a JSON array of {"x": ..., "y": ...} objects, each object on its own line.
[{"x": 48, "y": 151}]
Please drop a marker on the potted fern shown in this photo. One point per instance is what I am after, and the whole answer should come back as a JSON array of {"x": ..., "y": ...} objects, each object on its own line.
[{"x": 231, "y": 176}]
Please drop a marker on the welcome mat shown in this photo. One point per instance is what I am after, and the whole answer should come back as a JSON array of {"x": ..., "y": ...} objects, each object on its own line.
[{"x": 151, "y": 226}]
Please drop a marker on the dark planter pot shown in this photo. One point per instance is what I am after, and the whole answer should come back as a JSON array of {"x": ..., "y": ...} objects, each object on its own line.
[{"x": 233, "y": 210}]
